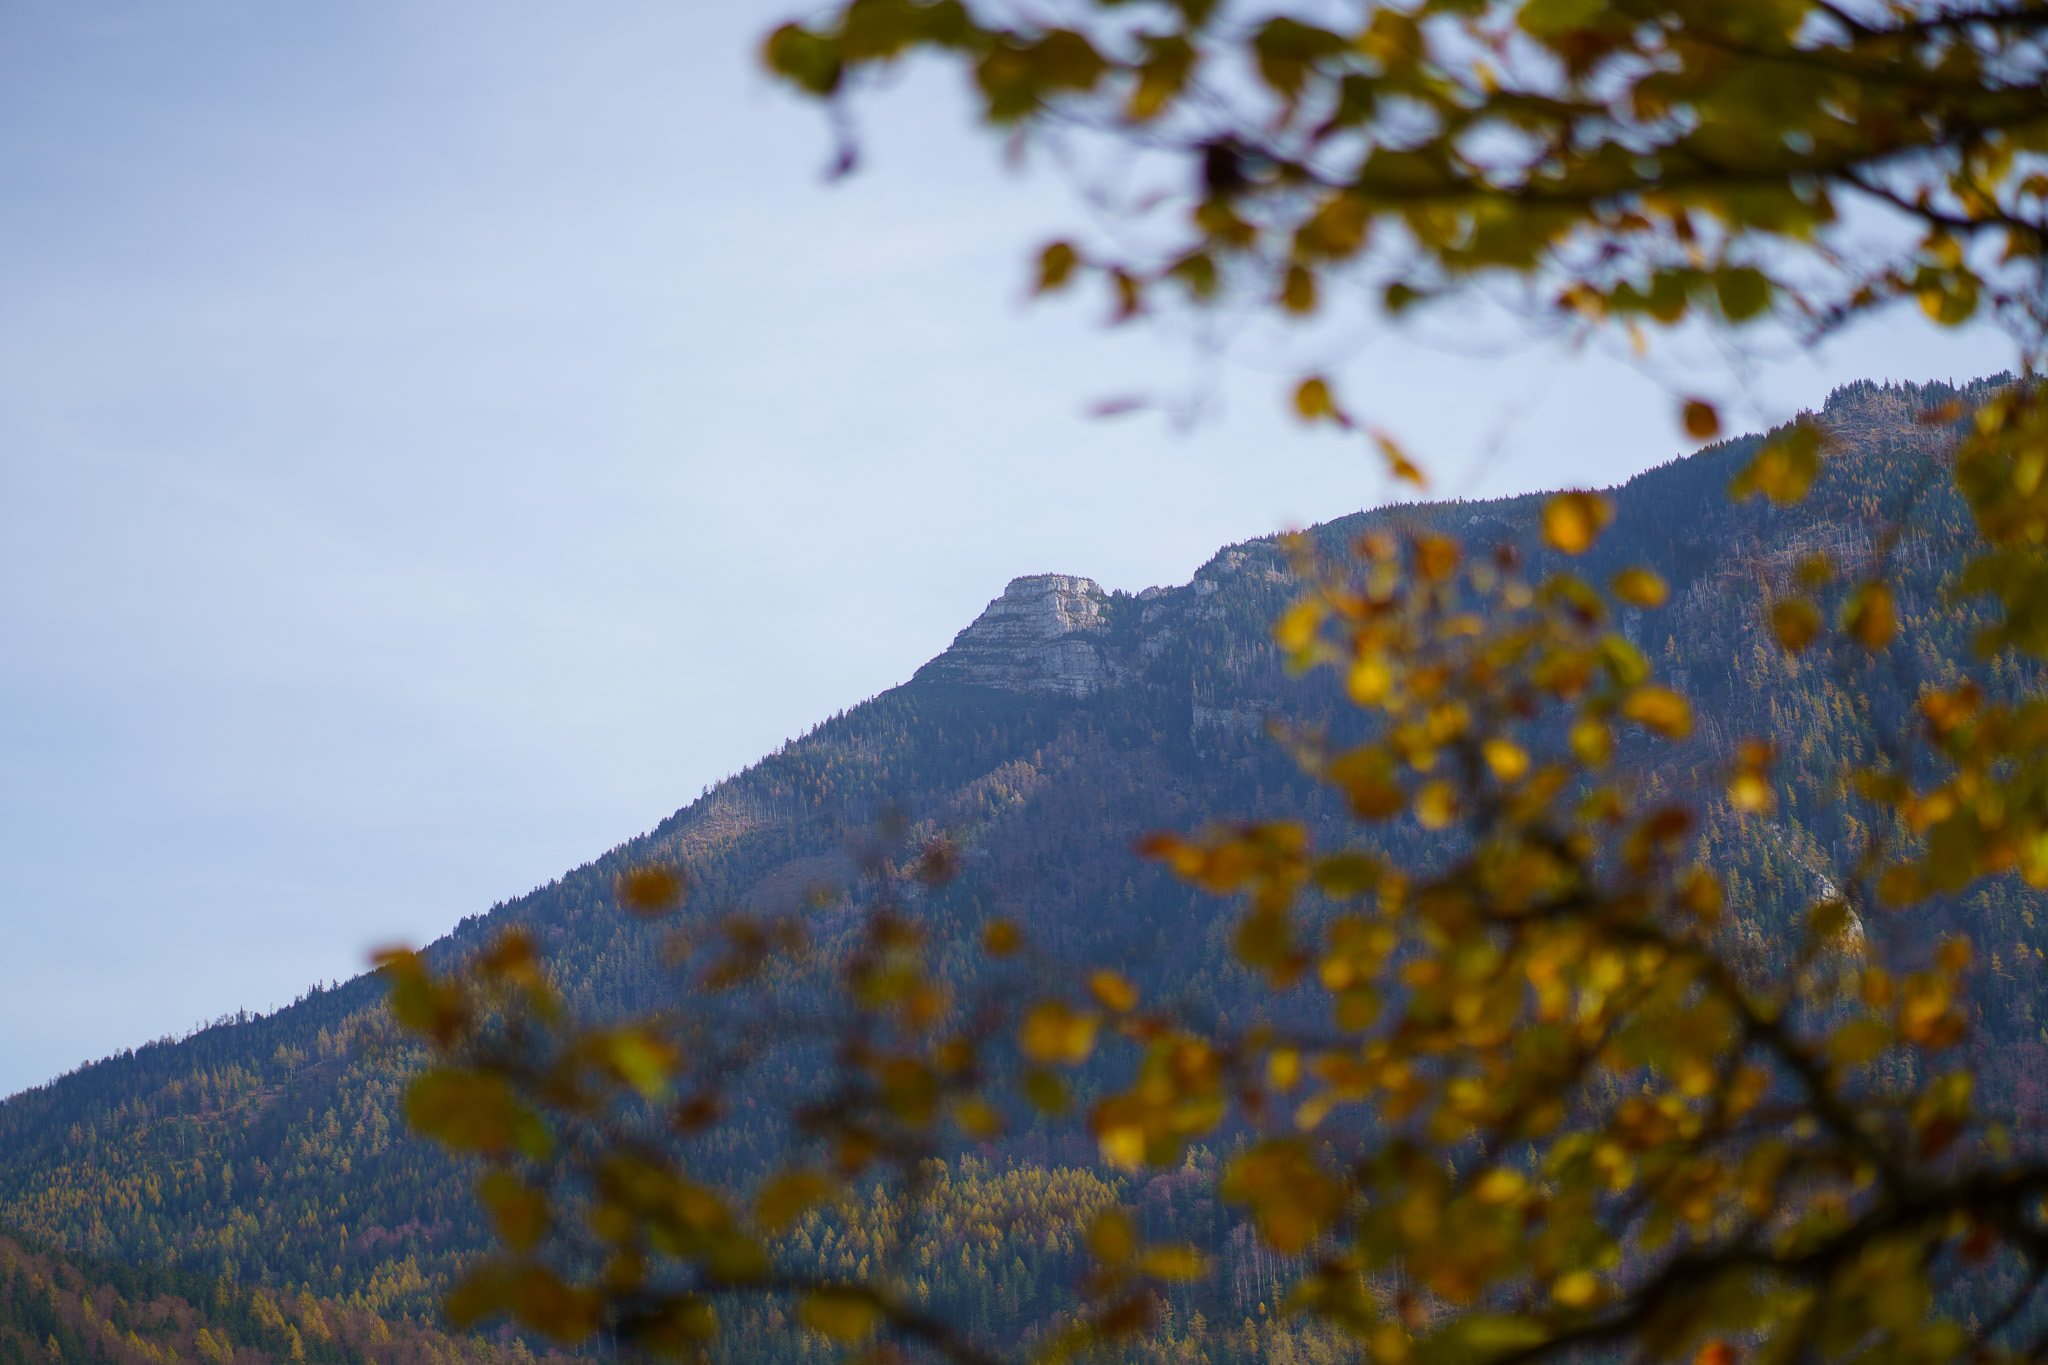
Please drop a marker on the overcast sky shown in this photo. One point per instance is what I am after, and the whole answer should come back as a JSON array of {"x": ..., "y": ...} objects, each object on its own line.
[{"x": 438, "y": 440}]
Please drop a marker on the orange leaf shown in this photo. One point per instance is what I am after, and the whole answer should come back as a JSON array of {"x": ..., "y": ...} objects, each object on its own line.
[
  {"x": 1702, "y": 423},
  {"x": 1573, "y": 521}
]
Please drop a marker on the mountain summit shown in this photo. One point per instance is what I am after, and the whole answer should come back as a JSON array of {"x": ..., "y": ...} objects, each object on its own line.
[{"x": 1044, "y": 634}]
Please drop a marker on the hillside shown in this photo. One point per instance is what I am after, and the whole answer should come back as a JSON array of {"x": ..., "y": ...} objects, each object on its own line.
[{"x": 1061, "y": 724}]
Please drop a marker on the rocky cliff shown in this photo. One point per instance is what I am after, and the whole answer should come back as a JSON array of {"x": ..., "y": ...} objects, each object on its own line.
[
  {"x": 1065, "y": 636},
  {"x": 1046, "y": 633}
]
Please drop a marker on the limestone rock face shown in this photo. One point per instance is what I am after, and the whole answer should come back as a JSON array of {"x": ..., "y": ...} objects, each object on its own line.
[{"x": 1044, "y": 634}]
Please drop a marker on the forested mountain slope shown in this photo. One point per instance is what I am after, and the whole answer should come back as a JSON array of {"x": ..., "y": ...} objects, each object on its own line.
[
  {"x": 1061, "y": 725},
  {"x": 60, "y": 1311}
]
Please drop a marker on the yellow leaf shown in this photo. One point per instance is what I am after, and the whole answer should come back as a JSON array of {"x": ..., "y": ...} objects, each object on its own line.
[
  {"x": 519, "y": 1211},
  {"x": 1398, "y": 463},
  {"x": 1263, "y": 938},
  {"x": 841, "y": 1314},
  {"x": 1436, "y": 805},
  {"x": 1122, "y": 1146},
  {"x": 547, "y": 1305},
  {"x": 1701, "y": 894},
  {"x": 788, "y": 1197},
  {"x": 639, "y": 1060},
  {"x": 1000, "y": 938},
  {"x": 1298, "y": 292},
  {"x": 1112, "y": 991},
  {"x": 1370, "y": 681},
  {"x": 1111, "y": 1238},
  {"x": 422, "y": 1004},
  {"x": 1054, "y": 1034},
  {"x": 1508, "y": 759},
  {"x": 676, "y": 1327},
  {"x": 1784, "y": 467},
  {"x": 1870, "y": 616},
  {"x": 1296, "y": 630},
  {"x": 1313, "y": 400},
  {"x": 1056, "y": 265},
  {"x": 1902, "y": 884},
  {"x": 1591, "y": 740},
  {"x": 512, "y": 956},
  {"x": 1750, "y": 790},
  {"x": 1367, "y": 776},
  {"x": 1579, "y": 1289},
  {"x": 1046, "y": 1091},
  {"x": 468, "y": 1111},
  {"x": 1659, "y": 709},
  {"x": 1641, "y": 588},
  {"x": 1702, "y": 423},
  {"x": 1828, "y": 919},
  {"x": 1500, "y": 1186},
  {"x": 1858, "y": 1041},
  {"x": 651, "y": 889},
  {"x": 1291, "y": 1198},
  {"x": 1435, "y": 558},
  {"x": 1796, "y": 623},
  {"x": 1573, "y": 521},
  {"x": 977, "y": 1118},
  {"x": 1174, "y": 1263},
  {"x": 478, "y": 1294}
]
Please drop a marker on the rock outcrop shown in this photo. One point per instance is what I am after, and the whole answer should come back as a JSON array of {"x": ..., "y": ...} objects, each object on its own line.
[{"x": 1044, "y": 634}]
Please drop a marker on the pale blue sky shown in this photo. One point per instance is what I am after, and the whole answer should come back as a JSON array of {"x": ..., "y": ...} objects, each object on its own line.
[{"x": 437, "y": 440}]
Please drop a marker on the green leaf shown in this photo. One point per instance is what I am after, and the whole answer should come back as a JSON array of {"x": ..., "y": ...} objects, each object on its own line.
[
  {"x": 805, "y": 59},
  {"x": 1480, "y": 1337},
  {"x": 1742, "y": 292},
  {"x": 1548, "y": 18},
  {"x": 1046, "y": 1091}
]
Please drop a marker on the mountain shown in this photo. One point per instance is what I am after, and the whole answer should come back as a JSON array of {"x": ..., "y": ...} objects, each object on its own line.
[{"x": 1063, "y": 723}]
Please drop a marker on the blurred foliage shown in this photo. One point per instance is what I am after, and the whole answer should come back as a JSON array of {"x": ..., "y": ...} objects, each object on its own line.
[
  {"x": 1525, "y": 1062},
  {"x": 1639, "y": 162},
  {"x": 1539, "y": 1089}
]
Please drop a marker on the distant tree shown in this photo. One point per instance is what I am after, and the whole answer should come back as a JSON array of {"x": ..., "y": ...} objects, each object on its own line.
[{"x": 1542, "y": 1108}]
